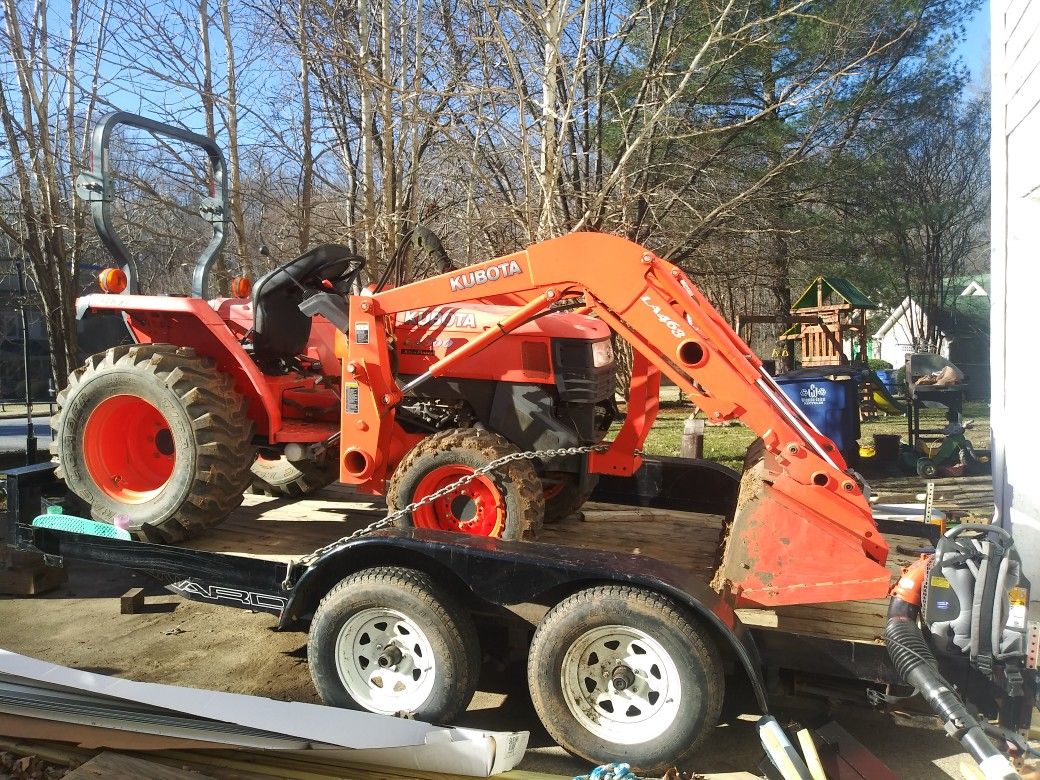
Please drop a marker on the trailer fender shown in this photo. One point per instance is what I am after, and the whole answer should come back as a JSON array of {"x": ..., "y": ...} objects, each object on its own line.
[{"x": 508, "y": 573}]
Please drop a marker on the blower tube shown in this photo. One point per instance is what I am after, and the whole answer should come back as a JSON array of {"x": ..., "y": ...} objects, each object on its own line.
[{"x": 917, "y": 666}]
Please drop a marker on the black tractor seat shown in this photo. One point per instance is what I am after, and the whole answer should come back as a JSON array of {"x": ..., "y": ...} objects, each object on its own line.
[{"x": 280, "y": 329}]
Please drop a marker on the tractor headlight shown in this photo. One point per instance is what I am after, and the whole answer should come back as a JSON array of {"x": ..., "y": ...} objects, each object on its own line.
[{"x": 602, "y": 353}]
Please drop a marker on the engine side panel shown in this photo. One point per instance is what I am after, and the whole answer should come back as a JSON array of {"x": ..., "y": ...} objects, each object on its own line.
[{"x": 424, "y": 336}]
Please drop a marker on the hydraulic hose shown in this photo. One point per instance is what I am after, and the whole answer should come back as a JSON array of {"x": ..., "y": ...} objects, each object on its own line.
[{"x": 917, "y": 666}]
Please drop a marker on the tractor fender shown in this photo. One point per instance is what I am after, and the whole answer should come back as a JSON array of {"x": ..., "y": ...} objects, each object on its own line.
[
  {"x": 506, "y": 573},
  {"x": 192, "y": 322}
]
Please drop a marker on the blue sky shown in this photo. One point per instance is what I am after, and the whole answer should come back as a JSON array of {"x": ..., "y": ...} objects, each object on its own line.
[{"x": 975, "y": 49}]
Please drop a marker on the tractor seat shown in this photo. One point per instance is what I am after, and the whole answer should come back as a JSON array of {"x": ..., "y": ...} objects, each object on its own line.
[{"x": 280, "y": 329}]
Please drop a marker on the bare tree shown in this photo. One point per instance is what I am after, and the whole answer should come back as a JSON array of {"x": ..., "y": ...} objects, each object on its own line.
[
  {"x": 49, "y": 90},
  {"x": 929, "y": 200}
]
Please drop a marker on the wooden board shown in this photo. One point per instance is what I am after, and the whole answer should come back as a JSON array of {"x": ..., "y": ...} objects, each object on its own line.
[
  {"x": 282, "y": 529},
  {"x": 113, "y": 766}
]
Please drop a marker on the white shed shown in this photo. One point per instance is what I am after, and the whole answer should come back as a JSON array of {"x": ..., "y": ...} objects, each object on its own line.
[{"x": 1015, "y": 154}]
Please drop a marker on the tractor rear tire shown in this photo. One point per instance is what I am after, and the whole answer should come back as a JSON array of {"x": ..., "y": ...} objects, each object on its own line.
[
  {"x": 506, "y": 503},
  {"x": 158, "y": 434},
  {"x": 284, "y": 478}
]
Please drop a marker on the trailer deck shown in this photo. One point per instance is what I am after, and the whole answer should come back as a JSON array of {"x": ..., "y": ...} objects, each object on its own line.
[{"x": 283, "y": 529}]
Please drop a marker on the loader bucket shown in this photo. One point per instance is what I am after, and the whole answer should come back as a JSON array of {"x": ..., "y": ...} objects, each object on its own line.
[{"x": 780, "y": 548}]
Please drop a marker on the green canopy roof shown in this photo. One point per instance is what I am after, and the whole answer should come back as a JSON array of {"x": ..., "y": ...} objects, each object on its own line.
[{"x": 833, "y": 287}]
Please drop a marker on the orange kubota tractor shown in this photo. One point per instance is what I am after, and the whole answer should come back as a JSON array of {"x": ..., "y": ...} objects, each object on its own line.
[{"x": 407, "y": 390}]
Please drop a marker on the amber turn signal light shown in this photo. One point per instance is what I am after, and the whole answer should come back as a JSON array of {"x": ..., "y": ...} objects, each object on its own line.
[
  {"x": 112, "y": 280},
  {"x": 241, "y": 287}
]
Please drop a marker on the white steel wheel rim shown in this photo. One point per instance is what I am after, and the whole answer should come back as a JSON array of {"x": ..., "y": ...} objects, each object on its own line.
[
  {"x": 406, "y": 677},
  {"x": 641, "y": 711}
]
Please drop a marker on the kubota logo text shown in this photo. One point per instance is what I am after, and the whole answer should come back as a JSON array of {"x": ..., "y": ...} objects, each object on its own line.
[
  {"x": 448, "y": 318},
  {"x": 483, "y": 275}
]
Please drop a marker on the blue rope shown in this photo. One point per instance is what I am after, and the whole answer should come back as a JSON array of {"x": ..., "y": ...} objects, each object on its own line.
[{"x": 610, "y": 772}]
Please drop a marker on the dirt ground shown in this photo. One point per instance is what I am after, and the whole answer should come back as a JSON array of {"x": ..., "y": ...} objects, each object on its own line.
[{"x": 200, "y": 645}]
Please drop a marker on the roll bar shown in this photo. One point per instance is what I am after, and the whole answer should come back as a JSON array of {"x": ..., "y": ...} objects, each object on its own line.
[{"x": 95, "y": 187}]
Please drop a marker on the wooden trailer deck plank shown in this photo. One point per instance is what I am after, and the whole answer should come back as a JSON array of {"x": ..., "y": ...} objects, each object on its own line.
[{"x": 282, "y": 529}]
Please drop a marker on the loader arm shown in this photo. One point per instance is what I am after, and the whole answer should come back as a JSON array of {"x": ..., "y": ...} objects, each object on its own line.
[{"x": 802, "y": 531}]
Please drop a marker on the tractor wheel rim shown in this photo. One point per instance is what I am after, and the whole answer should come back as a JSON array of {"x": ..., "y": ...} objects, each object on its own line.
[
  {"x": 620, "y": 684},
  {"x": 385, "y": 661},
  {"x": 128, "y": 449},
  {"x": 476, "y": 508},
  {"x": 552, "y": 485}
]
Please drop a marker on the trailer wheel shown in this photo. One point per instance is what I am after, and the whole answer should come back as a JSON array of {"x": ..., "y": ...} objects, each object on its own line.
[
  {"x": 622, "y": 674},
  {"x": 388, "y": 640},
  {"x": 506, "y": 503},
  {"x": 280, "y": 476},
  {"x": 156, "y": 433}
]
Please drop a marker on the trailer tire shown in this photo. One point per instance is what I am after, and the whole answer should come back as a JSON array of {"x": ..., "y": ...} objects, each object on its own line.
[
  {"x": 281, "y": 477},
  {"x": 156, "y": 433},
  {"x": 614, "y": 646},
  {"x": 425, "y": 624},
  {"x": 506, "y": 503}
]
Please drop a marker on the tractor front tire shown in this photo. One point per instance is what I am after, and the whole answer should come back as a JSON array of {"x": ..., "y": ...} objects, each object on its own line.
[
  {"x": 562, "y": 495},
  {"x": 506, "y": 503},
  {"x": 157, "y": 434},
  {"x": 284, "y": 478}
]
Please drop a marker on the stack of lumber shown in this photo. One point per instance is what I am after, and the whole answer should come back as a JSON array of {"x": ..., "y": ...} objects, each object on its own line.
[
  {"x": 88, "y": 764},
  {"x": 229, "y": 734}
]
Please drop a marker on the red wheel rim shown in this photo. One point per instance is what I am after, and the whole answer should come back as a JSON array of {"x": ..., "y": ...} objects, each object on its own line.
[
  {"x": 476, "y": 508},
  {"x": 128, "y": 449},
  {"x": 552, "y": 486}
]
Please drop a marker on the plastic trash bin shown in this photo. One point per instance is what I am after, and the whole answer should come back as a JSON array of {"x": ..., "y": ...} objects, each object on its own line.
[
  {"x": 829, "y": 397},
  {"x": 888, "y": 379}
]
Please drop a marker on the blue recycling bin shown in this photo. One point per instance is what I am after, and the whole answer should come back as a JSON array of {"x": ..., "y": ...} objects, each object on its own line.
[
  {"x": 829, "y": 397},
  {"x": 888, "y": 379}
]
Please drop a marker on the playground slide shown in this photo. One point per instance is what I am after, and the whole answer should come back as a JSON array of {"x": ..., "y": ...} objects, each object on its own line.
[{"x": 883, "y": 399}]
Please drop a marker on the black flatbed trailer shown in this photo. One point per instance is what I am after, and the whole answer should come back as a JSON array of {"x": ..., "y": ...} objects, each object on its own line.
[{"x": 493, "y": 576}]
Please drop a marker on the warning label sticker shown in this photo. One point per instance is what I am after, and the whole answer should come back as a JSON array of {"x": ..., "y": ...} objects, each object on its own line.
[{"x": 353, "y": 398}]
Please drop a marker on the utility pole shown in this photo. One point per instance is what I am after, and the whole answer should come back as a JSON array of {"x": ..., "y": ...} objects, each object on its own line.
[{"x": 23, "y": 306}]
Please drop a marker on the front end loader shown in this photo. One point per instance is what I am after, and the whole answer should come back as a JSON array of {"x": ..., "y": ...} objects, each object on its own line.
[{"x": 476, "y": 401}]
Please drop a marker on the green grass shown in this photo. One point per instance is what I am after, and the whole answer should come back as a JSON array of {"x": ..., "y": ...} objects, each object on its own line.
[{"x": 727, "y": 444}]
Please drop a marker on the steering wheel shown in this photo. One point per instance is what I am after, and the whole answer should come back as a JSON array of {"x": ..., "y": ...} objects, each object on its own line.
[{"x": 337, "y": 274}]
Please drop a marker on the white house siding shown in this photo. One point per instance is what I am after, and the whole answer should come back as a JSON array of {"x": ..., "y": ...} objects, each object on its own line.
[
  {"x": 1015, "y": 154},
  {"x": 895, "y": 338}
]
